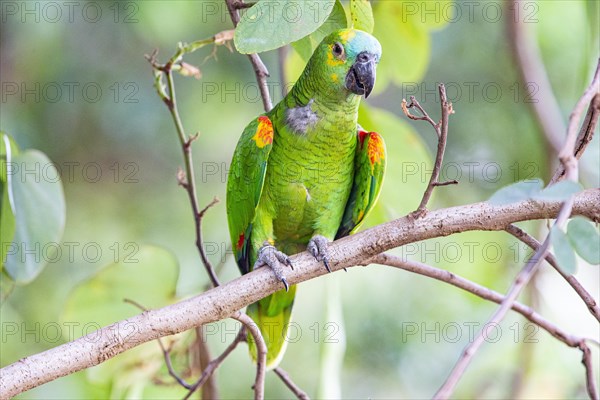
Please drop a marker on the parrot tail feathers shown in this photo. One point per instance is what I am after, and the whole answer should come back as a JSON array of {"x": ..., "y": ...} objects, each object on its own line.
[{"x": 272, "y": 315}]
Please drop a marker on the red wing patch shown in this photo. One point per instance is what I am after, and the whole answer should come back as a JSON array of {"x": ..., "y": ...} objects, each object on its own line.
[
  {"x": 361, "y": 137},
  {"x": 264, "y": 132},
  {"x": 240, "y": 242}
]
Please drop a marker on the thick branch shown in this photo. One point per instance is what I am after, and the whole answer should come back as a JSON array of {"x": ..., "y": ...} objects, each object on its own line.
[{"x": 223, "y": 301}]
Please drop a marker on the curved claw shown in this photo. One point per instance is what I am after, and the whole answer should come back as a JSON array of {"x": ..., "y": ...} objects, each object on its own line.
[
  {"x": 285, "y": 283},
  {"x": 326, "y": 262},
  {"x": 317, "y": 246},
  {"x": 268, "y": 255}
]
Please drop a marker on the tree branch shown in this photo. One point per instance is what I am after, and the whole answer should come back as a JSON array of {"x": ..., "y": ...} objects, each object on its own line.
[
  {"x": 586, "y": 360},
  {"x": 214, "y": 364},
  {"x": 478, "y": 290},
  {"x": 249, "y": 326},
  {"x": 223, "y": 301},
  {"x": 285, "y": 377},
  {"x": 567, "y": 153},
  {"x": 585, "y": 135},
  {"x": 530, "y": 241}
]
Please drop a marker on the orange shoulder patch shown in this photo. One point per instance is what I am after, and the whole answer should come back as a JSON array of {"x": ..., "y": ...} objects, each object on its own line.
[
  {"x": 375, "y": 150},
  {"x": 264, "y": 132}
]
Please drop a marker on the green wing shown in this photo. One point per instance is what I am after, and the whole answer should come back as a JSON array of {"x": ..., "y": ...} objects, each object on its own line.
[
  {"x": 369, "y": 168},
  {"x": 245, "y": 185}
]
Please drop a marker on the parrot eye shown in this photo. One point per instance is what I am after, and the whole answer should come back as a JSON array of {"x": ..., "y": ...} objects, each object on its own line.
[{"x": 338, "y": 50}]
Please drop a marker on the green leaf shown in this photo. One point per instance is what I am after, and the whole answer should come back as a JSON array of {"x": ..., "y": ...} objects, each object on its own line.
[
  {"x": 8, "y": 150},
  {"x": 432, "y": 14},
  {"x": 585, "y": 239},
  {"x": 39, "y": 209},
  {"x": 362, "y": 15},
  {"x": 336, "y": 20},
  {"x": 6, "y": 286},
  {"x": 271, "y": 24},
  {"x": 406, "y": 46},
  {"x": 563, "y": 252},
  {"x": 516, "y": 192},
  {"x": 560, "y": 191}
]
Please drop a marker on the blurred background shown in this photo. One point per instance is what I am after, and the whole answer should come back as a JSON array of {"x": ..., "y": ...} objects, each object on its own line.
[{"x": 76, "y": 86}]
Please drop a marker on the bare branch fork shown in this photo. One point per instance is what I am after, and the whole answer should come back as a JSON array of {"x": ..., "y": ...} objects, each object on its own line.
[
  {"x": 441, "y": 130},
  {"x": 569, "y": 163}
]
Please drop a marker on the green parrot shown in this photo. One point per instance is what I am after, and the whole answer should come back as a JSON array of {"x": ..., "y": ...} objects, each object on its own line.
[{"x": 305, "y": 173}]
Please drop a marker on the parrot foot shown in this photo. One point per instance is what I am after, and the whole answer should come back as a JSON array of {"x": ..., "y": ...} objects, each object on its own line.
[
  {"x": 317, "y": 246},
  {"x": 268, "y": 255}
]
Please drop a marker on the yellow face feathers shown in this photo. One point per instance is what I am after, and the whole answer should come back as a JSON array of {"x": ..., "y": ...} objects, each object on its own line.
[{"x": 347, "y": 34}]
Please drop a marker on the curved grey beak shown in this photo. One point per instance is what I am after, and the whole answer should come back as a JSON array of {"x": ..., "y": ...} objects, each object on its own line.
[{"x": 360, "y": 79}]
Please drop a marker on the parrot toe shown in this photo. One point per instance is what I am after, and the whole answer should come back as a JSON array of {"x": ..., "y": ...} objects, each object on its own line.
[
  {"x": 317, "y": 246},
  {"x": 268, "y": 255}
]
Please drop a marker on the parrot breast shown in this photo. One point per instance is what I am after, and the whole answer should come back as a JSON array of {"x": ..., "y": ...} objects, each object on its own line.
[{"x": 309, "y": 174}]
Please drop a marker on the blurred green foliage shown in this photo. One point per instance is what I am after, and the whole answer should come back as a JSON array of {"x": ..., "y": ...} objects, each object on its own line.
[{"x": 76, "y": 86}]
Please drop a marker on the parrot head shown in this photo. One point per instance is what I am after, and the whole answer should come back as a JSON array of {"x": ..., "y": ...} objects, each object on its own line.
[{"x": 346, "y": 61}]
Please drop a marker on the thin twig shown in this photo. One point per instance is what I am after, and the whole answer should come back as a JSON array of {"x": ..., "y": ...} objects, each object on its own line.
[
  {"x": 566, "y": 156},
  {"x": 567, "y": 153},
  {"x": 285, "y": 377},
  {"x": 260, "y": 70},
  {"x": 476, "y": 289},
  {"x": 167, "y": 93},
  {"x": 530, "y": 241},
  {"x": 241, "y": 5},
  {"x": 214, "y": 364},
  {"x": 261, "y": 353},
  {"x": 488, "y": 294},
  {"x": 585, "y": 136},
  {"x": 166, "y": 352},
  {"x": 586, "y": 360},
  {"x": 469, "y": 351},
  {"x": 441, "y": 130},
  {"x": 200, "y": 359},
  {"x": 190, "y": 182},
  {"x": 425, "y": 117},
  {"x": 200, "y": 242}
]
